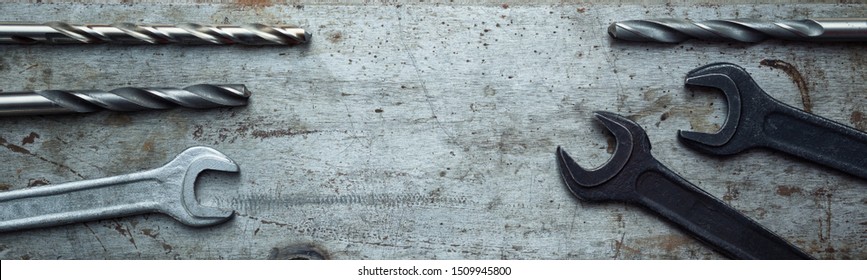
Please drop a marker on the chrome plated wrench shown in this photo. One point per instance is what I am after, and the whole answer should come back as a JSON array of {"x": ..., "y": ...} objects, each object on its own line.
[{"x": 168, "y": 189}]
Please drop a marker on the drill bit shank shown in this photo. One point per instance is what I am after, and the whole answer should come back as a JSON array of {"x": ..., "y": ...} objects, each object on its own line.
[
  {"x": 121, "y": 99},
  {"x": 740, "y": 30},
  {"x": 128, "y": 33}
]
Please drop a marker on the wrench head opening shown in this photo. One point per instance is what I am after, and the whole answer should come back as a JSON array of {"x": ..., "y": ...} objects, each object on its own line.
[
  {"x": 595, "y": 184},
  {"x": 193, "y": 161},
  {"x": 727, "y": 78}
]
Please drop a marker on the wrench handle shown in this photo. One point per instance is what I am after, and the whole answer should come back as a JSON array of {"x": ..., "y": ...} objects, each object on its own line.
[
  {"x": 817, "y": 139},
  {"x": 709, "y": 219},
  {"x": 78, "y": 201}
]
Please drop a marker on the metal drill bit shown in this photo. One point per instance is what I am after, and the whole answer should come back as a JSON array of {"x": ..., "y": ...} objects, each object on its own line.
[
  {"x": 740, "y": 30},
  {"x": 129, "y": 33},
  {"x": 44, "y": 102}
]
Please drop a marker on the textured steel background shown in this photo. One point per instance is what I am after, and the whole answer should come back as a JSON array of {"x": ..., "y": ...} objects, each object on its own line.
[{"x": 425, "y": 131}]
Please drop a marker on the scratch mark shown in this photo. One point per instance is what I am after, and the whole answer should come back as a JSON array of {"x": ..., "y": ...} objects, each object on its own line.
[
  {"x": 22, "y": 150},
  {"x": 97, "y": 237},
  {"x": 262, "y": 134},
  {"x": 263, "y": 221},
  {"x": 618, "y": 245},
  {"x": 796, "y": 76},
  {"x": 125, "y": 232},
  {"x": 420, "y": 79},
  {"x": 611, "y": 61},
  {"x": 824, "y": 222}
]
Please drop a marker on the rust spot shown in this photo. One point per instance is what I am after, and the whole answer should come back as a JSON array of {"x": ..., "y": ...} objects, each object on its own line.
[
  {"x": 119, "y": 228},
  {"x": 29, "y": 139},
  {"x": 821, "y": 192},
  {"x": 253, "y": 2},
  {"x": 4, "y": 187},
  {"x": 581, "y": 10},
  {"x": 732, "y": 193},
  {"x": 149, "y": 232},
  {"x": 335, "y": 37},
  {"x": 671, "y": 242},
  {"x": 198, "y": 131},
  {"x": 796, "y": 76},
  {"x": 788, "y": 191},
  {"x": 13, "y": 147},
  {"x": 37, "y": 182},
  {"x": 857, "y": 119},
  {"x": 148, "y": 146},
  {"x": 262, "y": 134},
  {"x": 117, "y": 119},
  {"x": 505, "y": 6}
]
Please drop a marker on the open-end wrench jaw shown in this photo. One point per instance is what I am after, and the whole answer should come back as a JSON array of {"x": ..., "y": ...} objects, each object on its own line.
[
  {"x": 757, "y": 120},
  {"x": 633, "y": 175},
  {"x": 192, "y": 162},
  {"x": 731, "y": 80},
  {"x": 597, "y": 184}
]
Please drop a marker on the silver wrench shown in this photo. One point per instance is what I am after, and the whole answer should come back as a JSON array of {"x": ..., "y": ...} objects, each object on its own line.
[{"x": 167, "y": 189}]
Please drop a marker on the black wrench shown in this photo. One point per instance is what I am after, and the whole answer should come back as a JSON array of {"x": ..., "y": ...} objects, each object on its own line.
[
  {"x": 632, "y": 175},
  {"x": 755, "y": 119}
]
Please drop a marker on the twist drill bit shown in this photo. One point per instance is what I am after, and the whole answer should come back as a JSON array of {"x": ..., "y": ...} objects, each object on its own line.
[
  {"x": 121, "y": 99},
  {"x": 741, "y": 30},
  {"x": 128, "y": 33}
]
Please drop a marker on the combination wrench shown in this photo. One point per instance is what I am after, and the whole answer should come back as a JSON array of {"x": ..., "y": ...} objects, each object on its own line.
[
  {"x": 755, "y": 119},
  {"x": 168, "y": 189},
  {"x": 633, "y": 175}
]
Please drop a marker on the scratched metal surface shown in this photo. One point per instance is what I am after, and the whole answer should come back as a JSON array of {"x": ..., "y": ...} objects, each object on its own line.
[{"x": 425, "y": 132}]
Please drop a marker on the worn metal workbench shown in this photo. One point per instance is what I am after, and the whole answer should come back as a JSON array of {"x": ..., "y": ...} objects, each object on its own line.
[{"x": 425, "y": 131}]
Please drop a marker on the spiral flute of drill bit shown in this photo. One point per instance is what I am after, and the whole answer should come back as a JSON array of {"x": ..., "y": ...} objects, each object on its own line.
[
  {"x": 128, "y": 33},
  {"x": 121, "y": 99},
  {"x": 740, "y": 30}
]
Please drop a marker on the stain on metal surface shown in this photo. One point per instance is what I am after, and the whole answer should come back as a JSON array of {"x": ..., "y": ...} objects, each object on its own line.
[
  {"x": 263, "y": 134},
  {"x": 153, "y": 234},
  {"x": 117, "y": 119},
  {"x": 857, "y": 119},
  {"x": 37, "y": 182},
  {"x": 670, "y": 244},
  {"x": 298, "y": 252},
  {"x": 732, "y": 193},
  {"x": 254, "y": 2},
  {"x": 335, "y": 37},
  {"x": 13, "y": 147},
  {"x": 822, "y": 197},
  {"x": 22, "y": 150},
  {"x": 797, "y": 78},
  {"x": 148, "y": 146},
  {"x": 788, "y": 191},
  {"x": 29, "y": 139},
  {"x": 661, "y": 103}
]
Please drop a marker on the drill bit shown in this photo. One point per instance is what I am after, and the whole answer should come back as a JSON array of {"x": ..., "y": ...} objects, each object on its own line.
[
  {"x": 44, "y": 102},
  {"x": 129, "y": 33},
  {"x": 740, "y": 30}
]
